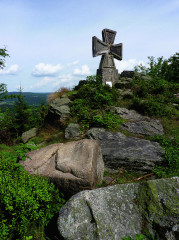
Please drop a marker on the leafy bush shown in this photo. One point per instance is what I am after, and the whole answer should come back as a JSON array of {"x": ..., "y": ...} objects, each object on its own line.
[
  {"x": 91, "y": 103},
  {"x": 171, "y": 148},
  {"x": 167, "y": 69},
  {"x": 26, "y": 201},
  {"x": 152, "y": 107}
]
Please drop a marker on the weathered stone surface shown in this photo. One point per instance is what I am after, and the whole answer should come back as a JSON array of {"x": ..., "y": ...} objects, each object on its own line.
[
  {"x": 60, "y": 106},
  {"x": 130, "y": 114},
  {"x": 127, "y": 74},
  {"x": 72, "y": 131},
  {"x": 61, "y": 101},
  {"x": 145, "y": 128},
  {"x": 72, "y": 165},
  {"x": 139, "y": 124},
  {"x": 59, "y": 111},
  {"x": 142, "y": 76},
  {"x": 109, "y": 51},
  {"x": 114, "y": 212},
  {"x": 94, "y": 132},
  {"x": 132, "y": 153},
  {"x": 26, "y": 136}
]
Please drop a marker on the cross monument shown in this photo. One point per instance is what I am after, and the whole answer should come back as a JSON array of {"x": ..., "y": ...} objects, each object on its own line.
[{"x": 107, "y": 69}]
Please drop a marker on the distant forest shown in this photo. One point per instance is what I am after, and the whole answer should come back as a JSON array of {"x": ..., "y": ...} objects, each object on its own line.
[{"x": 33, "y": 99}]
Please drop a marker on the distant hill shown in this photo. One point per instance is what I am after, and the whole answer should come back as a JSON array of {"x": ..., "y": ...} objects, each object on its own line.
[{"x": 34, "y": 99}]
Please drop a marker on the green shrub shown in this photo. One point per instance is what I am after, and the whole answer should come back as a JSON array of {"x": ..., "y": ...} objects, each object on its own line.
[
  {"x": 91, "y": 102},
  {"x": 25, "y": 200},
  {"x": 167, "y": 69},
  {"x": 152, "y": 107},
  {"x": 171, "y": 167}
]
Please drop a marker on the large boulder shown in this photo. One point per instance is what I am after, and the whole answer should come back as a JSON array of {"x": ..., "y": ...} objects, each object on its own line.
[
  {"x": 72, "y": 166},
  {"x": 26, "y": 136},
  {"x": 119, "y": 211},
  {"x": 132, "y": 153}
]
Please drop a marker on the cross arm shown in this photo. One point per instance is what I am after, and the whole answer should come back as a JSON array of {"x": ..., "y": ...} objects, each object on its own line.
[
  {"x": 99, "y": 47},
  {"x": 116, "y": 51}
]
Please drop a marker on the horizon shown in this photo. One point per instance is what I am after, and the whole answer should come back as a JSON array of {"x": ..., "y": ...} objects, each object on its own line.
[{"x": 50, "y": 43}]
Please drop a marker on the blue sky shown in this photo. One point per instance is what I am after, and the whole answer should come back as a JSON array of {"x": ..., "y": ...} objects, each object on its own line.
[{"x": 50, "y": 41}]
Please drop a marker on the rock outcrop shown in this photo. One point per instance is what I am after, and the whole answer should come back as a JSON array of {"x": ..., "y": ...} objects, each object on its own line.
[
  {"x": 124, "y": 210},
  {"x": 132, "y": 153},
  {"x": 139, "y": 124},
  {"x": 72, "y": 131},
  {"x": 26, "y": 136},
  {"x": 59, "y": 111},
  {"x": 72, "y": 166}
]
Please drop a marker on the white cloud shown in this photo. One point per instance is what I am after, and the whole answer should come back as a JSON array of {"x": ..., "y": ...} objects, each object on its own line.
[
  {"x": 73, "y": 63},
  {"x": 45, "y": 81},
  {"x": 64, "y": 81},
  {"x": 12, "y": 70},
  {"x": 43, "y": 69},
  {"x": 127, "y": 65},
  {"x": 83, "y": 71}
]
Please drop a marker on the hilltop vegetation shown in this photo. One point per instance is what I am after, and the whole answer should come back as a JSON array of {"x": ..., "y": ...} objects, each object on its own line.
[{"x": 31, "y": 197}]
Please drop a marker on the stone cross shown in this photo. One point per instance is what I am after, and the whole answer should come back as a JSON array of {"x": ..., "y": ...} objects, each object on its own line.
[{"x": 107, "y": 69}]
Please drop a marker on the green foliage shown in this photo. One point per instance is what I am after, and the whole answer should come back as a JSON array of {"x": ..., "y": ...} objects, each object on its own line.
[
  {"x": 3, "y": 54},
  {"x": 137, "y": 237},
  {"x": 164, "y": 69},
  {"x": 171, "y": 148},
  {"x": 154, "y": 97},
  {"x": 152, "y": 107},
  {"x": 26, "y": 200},
  {"x": 20, "y": 118},
  {"x": 90, "y": 106}
]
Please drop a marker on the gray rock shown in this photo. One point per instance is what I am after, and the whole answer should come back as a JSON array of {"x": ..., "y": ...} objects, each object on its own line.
[
  {"x": 72, "y": 131},
  {"x": 130, "y": 114},
  {"x": 132, "y": 153},
  {"x": 94, "y": 132},
  {"x": 61, "y": 101},
  {"x": 144, "y": 128},
  {"x": 72, "y": 166},
  {"x": 139, "y": 124},
  {"x": 146, "y": 78},
  {"x": 127, "y": 93},
  {"x": 119, "y": 211},
  {"x": 127, "y": 74},
  {"x": 60, "y": 106},
  {"x": 59, "y": 110},
  {"x": 26, "y": 136}
]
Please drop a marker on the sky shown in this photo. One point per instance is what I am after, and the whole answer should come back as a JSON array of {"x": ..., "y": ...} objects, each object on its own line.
[{"x": 50, "y": 41}]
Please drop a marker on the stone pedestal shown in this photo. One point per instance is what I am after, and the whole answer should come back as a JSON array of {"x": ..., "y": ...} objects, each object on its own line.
[{"x": 108, "y": 75}]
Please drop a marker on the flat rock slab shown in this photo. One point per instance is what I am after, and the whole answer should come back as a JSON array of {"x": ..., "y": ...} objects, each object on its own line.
[
  {"x": 139, "y": 124},
  {"x": 132, "y": 153},
  {"x": 72, "y": 165},
  {"x": 144, "y": 128},
  {"x": 114, "y": 212}
]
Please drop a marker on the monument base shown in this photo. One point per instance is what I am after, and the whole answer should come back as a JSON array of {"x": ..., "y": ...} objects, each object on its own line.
[{"x": 108, "y": 75}]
